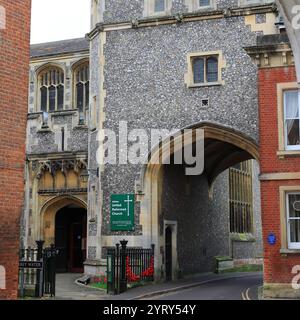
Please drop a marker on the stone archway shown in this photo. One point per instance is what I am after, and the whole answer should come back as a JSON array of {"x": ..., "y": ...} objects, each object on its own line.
[
  {"x": 49, "y": 211},
  {"x": 223, "y": 148}
]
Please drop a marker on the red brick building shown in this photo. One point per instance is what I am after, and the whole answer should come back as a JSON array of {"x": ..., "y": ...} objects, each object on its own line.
[
  {"x": 279, "y": 112},
  {"x": 14, "y": 65}
]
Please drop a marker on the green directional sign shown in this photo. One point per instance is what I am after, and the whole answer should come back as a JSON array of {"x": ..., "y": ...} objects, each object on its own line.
[{"x": 122, "y": 212}]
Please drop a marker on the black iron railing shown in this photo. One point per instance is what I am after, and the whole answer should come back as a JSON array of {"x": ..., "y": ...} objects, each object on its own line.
[
  {"x": 127, "y": 265},
  {"x": 37, "y": 271}
]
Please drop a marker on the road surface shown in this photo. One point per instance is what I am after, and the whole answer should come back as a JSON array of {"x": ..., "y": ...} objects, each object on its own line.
[{"x": 245, "y": 288}]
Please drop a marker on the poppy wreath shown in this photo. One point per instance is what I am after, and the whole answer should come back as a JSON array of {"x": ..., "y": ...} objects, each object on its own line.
[
  {"x": 150, "y": 271},
  {"x": 131, "y": 277}
]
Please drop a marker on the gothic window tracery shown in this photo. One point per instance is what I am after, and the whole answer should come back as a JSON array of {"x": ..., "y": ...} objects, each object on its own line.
[
  {"x": 51, "y": 89},
  {"x": 82, "y": 83}
]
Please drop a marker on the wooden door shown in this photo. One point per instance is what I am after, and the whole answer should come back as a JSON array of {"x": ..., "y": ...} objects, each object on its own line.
[{"x": 76, "y": 249}]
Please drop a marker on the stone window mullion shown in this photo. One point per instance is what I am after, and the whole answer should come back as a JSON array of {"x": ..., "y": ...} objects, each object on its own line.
[
  {"x": 205, "y": 70},
  {"x": 48, "y": 98},
  {"x": 84, "y": 97},
  {"x": 56, "y": 98}
]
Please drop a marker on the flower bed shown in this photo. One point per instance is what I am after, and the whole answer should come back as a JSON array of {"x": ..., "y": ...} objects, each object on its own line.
[{"x": 99, "y": 281}]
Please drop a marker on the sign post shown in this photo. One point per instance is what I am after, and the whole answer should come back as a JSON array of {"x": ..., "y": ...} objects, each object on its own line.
[{"x": 122, "y": 212}]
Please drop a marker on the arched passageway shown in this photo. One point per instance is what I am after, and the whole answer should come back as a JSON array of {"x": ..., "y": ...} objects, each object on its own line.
[{"x": 192, "y": 219}]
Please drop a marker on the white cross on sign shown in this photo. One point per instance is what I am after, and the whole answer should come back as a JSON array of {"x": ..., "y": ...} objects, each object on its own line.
[{"x": 128, "y": 204}]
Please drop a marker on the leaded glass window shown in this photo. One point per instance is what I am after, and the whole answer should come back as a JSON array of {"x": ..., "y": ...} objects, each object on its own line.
[
  {"x": 51, "y": 84},
  {"x": 204, "y": 3},
  {"x": 241, "y": 198},
  {"x": 205, "y": 70},
  {"x": 159, "y": 5},
  {"x": 212, "y": 69},
  {"x": 198, "y": 70},
  {"x": 44, "y": 98},
  {"x": 52, "y": 98},
  {"x": 82, "y": 83}
]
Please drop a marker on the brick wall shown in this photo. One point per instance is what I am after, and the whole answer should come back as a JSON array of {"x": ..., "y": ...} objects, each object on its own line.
[
  {"x": 14, "y": 63},
  {"x": 277, "y": 267},
  {"x": 268, "y": 79}
]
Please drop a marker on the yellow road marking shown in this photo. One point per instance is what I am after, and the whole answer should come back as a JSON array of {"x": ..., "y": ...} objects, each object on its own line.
[{"x": 245, "y": 296}]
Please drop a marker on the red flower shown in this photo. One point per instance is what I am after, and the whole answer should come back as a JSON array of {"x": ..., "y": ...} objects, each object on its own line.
[{"x": 131, "y": 277}]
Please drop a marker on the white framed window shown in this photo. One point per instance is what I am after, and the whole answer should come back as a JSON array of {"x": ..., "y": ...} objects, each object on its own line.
[
  {"x": 293, "y": 219},
  {"x": 292, "y": 119}
]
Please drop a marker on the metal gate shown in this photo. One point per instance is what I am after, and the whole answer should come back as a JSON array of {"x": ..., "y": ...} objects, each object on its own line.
[
  {"x": 127, "y": 265},
  {"x": 37, "y": 271}
]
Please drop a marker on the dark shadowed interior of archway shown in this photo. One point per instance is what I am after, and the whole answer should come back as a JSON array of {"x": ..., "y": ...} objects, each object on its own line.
[
  {"x": 220, "y": 155},
  {"x": 200, "y": 207},
  {"x": 70, "y": 238}
]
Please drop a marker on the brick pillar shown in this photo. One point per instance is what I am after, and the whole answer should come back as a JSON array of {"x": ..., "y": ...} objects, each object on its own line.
[{"x": 14, "y": 68}]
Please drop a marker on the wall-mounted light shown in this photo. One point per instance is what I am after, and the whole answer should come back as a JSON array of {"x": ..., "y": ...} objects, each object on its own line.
[{"x": 92, "y": 220}]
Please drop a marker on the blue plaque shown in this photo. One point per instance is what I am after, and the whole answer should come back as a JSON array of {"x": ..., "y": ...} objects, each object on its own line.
[{"x": 271, "y": 239}]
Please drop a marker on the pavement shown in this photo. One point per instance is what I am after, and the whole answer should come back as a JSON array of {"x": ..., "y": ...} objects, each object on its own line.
[
  {"x": 209, "y": 286},
  {"x": 67, "y": 289}
]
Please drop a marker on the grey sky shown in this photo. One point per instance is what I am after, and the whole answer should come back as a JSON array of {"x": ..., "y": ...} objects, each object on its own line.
[{"x": 59, "y": 19}]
